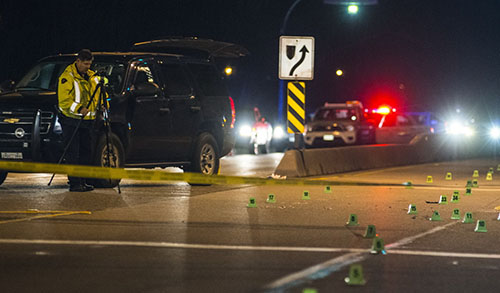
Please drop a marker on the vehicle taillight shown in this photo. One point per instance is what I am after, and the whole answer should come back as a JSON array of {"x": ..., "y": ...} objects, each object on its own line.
[{"x": 233, "y": 112}]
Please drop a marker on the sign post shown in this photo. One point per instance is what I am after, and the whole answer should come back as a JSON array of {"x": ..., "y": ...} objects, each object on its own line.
[{"x": 296, "y": 62}]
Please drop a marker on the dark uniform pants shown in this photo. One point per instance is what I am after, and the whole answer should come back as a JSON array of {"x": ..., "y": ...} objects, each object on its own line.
[{"x": 80, "y": 150}]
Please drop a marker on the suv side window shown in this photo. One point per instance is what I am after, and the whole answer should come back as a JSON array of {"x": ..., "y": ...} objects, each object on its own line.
[
  {"x": 209, "y": 80},
  {"x": 144, "y": 74},
  {"x": 403, "y": 121},
  {"x": 175, "y": 81}
]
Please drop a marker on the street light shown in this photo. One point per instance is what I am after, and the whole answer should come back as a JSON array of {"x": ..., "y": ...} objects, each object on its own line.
[{"x": 352, "y": 9}]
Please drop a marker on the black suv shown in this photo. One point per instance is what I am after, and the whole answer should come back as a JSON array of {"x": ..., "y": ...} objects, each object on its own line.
[{"x": 165, "y": 109}]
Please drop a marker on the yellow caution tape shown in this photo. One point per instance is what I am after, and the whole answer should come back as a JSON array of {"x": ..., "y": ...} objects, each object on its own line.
[{"x": 158, "y": 175}]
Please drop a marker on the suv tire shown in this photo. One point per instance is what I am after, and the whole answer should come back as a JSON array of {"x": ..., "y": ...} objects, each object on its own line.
[
  {"x": 3, "y": 175},
  {"x": 101, "y": 159},
  {"x": 205, "y": 159}
]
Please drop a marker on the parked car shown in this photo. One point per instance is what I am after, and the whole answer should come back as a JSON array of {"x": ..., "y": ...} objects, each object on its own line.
[
  {"x": 399, "y": 128},
  {"x": 339, "y": 124},
  {"x": 165, "y": 109}
]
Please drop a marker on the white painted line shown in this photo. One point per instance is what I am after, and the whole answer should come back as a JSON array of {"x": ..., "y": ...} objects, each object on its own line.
[
  {"x": 445, "y": 254},
  {"x": 258, "y": 248},
  {"x": 410, "y": 239},
  {"x": 178, "y": 245},
  {"x": 315, "y": 272},
  {"x": 326, "y": 268}
]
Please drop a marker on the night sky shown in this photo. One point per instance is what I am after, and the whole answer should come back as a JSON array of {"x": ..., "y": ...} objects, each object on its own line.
[{"x": 416, "y": 54}]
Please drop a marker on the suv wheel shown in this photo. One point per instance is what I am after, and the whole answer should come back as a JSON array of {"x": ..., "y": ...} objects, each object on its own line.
[
  {"x": 3, "y": 175},
  {"x": 206, "y": 156},
  {"x": 115, "y": 159}
]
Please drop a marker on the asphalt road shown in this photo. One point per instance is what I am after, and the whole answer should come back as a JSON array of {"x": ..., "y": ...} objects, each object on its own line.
[{"x": 172, "y": 237}]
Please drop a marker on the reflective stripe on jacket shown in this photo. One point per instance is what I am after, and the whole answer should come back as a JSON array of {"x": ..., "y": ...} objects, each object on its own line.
[{"x": 74, "y": 92}]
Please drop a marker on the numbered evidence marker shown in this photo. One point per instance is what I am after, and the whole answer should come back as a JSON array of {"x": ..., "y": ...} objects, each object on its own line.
[
  {"x": 435, "y": 216},
  {"x": 455, "y": 215},
  {"x": 468, "y": 219},
  {"x": 305, "y": 195},
  {"x": 469, "y": 183},
  {"x": 377, "y": 246},
  {"x": 480, "y": 226},
  {"x": 468, "y": 191},
  {"x": 475, "y": 174},
  {"x": 252, "y": 203},
  {"x": 328, "y": 189},
  {"x": 271, "y": 198},
  {"x": 489, "y": 176},
  {"x": 429, "y": 179},
  {"x": 474, "y": 183},
  {"x": 412, "y": 209},
  {"x": 353, "y": 220},
  {"x": 498, "y": 167},
  {"x": 355, "y": 277},
  {"x": 309, "y": 290},
  {"x": 455, "y": 198},
  {"x": 448, "y": 176},
  {"x": 370, "y": 231},
  {"x": 443, "y": 199}
]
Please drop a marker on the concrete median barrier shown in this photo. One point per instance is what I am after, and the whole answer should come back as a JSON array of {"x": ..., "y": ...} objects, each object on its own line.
[{"x": 421, "y": 149}]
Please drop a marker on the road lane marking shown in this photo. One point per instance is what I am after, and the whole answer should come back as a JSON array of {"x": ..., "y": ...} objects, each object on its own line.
[
  {"x": 351, "y": 251},
  {"x": 410, "y": 239},
  {"x": 41, "y": 217},
  {"x": 322, "y": 270},
  {"x": 179, "y": 245},
  {"x": 36, "y": 211},
  {"x": 318, "y": 271},
  {"x": 445, "y": 254}
]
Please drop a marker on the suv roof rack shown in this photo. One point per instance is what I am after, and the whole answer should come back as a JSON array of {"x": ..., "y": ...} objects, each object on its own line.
[
  {"x": 353, "y": 103},
  {"x": 192, "y": 46}
]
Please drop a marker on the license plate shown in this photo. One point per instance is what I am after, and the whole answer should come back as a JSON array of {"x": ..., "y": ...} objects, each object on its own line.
[
  {"x": 328, "y": 137},
  {"x": 16, "y": 156}
]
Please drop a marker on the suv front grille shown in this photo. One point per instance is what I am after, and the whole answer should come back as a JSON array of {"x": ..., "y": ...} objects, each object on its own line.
[
  {"x": 327, "y": 128},
  {"x": 12, "y": 120}
]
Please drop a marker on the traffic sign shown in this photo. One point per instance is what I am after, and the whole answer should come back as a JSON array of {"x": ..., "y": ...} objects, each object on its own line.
[
  {"x": 296, "y": 58},
  {"x": 296, "y": 110}
]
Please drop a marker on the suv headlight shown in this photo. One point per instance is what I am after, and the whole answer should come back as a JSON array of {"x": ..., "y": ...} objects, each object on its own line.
[
  {"x": 495, "y": 132},
  {"x": 57, "y": 126},
  {"x": 278, "y": 132},
  {"x": 245, "y": 131}
]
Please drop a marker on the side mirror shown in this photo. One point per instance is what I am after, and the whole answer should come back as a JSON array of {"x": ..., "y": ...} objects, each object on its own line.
[
  {"x": 146, "y": 89},
  {"x": 7, "y": 85}
]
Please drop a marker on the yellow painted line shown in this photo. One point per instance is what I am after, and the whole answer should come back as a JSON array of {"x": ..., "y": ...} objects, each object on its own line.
[
  {"x": 34, "y": 211},
  {"x": 296, "y": 107},
  {"x": 301, "y": 96},
  {"x": 39, "y": 217}
]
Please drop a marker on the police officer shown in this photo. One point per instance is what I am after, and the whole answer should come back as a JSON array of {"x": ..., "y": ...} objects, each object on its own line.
[{"x": 76, "y": 85}]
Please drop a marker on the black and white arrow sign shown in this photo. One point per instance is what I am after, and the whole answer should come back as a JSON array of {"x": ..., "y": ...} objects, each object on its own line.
[{"x": 296, "y": 58}]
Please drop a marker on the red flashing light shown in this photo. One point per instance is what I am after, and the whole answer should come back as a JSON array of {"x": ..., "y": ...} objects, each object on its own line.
[
  {"x": 384, "y": 110},
  {"x": 233, "y": 112}
]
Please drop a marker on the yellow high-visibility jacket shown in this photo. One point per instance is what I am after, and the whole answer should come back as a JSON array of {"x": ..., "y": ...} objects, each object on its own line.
[{"x": 74, "y": 92}]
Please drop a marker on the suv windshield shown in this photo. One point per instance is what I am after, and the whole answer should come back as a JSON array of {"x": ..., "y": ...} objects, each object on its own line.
[
  {"x": 335, "y": 114},
  {"x": 45, "y": 75}
]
